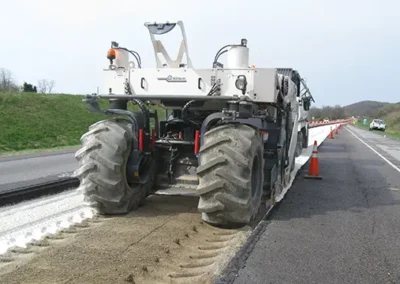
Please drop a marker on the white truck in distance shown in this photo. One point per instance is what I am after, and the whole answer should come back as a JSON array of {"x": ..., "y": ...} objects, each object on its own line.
[
  {"x": 231, "y": 139},
  {"x": 377, "y": 124}
]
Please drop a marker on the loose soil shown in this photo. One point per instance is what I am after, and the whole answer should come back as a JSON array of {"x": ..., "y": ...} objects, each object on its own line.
[{"x": 164, "y": 241}]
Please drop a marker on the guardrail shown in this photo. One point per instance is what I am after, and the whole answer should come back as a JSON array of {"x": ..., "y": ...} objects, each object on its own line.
[
  {"x": 34, "y": 191},
  {"x": 322, "y": 123}
]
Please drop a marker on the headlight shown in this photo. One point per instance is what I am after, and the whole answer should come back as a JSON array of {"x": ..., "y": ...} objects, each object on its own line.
[{"x": 241, "y": 83}]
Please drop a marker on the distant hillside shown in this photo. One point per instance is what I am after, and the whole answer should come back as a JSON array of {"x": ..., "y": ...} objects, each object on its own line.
[{"x": 364, "y": 108}]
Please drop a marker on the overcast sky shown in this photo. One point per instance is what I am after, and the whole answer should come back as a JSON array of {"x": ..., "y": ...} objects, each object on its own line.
[{"x": 348, "y": 50}]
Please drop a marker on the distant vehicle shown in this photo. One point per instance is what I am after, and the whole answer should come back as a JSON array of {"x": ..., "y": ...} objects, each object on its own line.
[
  {"x": 326, "y": 120},
  {"x": 377, "y": 124}
]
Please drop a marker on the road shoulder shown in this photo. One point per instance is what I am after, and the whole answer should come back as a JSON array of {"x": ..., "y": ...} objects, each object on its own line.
[{"x": 27, "y": 154}]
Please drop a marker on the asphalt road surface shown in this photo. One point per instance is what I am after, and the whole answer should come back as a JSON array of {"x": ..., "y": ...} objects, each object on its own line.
[
  {"x": 344, "y": 228},
  {"x": 387, "y": 147},
  {"x": 30, "y": 169}
]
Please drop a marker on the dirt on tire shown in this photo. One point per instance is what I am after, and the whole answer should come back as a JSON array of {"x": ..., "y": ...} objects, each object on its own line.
[
  {"x": 103, "y": 158},
  {"x": 230, "y": 174},
  {"x": 163, "y": 242}
]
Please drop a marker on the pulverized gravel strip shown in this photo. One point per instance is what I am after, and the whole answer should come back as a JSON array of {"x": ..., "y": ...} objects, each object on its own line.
[{"x": 163, "y": 242}]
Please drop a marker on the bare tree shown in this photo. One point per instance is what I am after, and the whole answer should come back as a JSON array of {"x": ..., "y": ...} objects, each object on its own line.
[
  {"x": 45, "y": 86},
  {"x": 42, "y": 86},
  {"x": 330, "y": 112},
  {"x": 7, "y": 83},
  {"x": 50, "y": 86}
]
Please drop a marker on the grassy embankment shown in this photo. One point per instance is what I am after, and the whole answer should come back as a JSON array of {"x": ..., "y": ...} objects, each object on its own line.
[
  {"x": 44, "y": 122},
  {"x": 391, "y": 115}
]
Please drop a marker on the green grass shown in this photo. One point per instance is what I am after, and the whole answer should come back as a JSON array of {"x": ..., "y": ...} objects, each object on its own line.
[{"x": 30, "y": 121}]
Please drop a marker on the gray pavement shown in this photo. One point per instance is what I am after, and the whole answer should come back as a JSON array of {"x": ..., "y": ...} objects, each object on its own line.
[
  {"x": 30, "y": 169},
  {"x": 387, "y": 147},
  {"x": 344, "y": 228}
]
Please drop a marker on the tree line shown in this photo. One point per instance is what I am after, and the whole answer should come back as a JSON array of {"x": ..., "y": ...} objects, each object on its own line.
[
  {"x": 330, "y": 112},
  {"x": 8, "y": 84}
]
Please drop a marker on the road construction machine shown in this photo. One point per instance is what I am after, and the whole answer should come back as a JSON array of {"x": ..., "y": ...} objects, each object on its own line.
[{"x": 230, "y": 135}]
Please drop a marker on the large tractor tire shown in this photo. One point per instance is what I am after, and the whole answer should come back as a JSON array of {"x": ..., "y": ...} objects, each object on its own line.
[
  {"x": 102, "y": 168},
  {"x": 230, "y": 175}
]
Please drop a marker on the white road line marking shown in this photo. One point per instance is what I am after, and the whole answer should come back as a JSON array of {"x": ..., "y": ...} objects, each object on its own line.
[{"x": 376, "y": 152}]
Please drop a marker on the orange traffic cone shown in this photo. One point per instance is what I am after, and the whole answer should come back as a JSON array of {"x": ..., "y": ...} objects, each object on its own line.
[
  {"x": 331, "y": 134},
  {"x": 336, "y": 130},
  {"x": 313, "y": 171}
]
